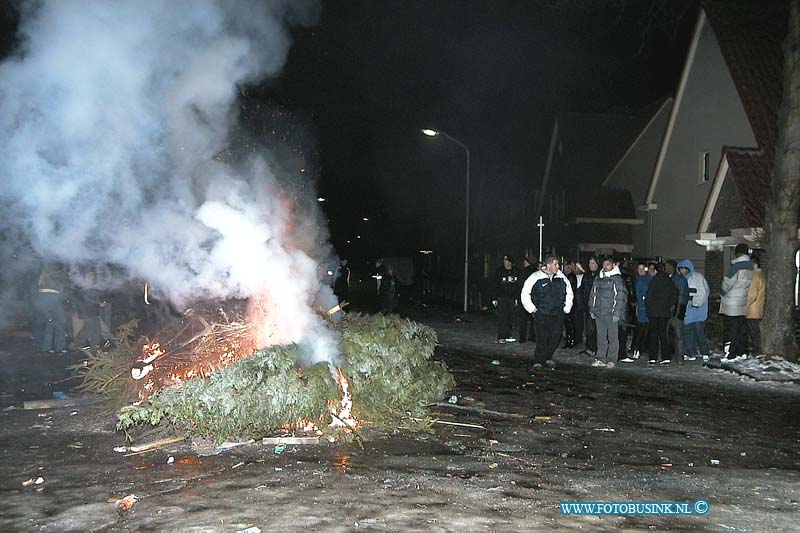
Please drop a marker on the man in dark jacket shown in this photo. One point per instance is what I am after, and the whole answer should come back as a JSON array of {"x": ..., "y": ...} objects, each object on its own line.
[
  {"x": 506, "y": 298},
  {"x": 526, "y": 330},
  {"x": 577, "y": 279},
  {"x": 548, "y": 296},
  {"x": 590, "y": 347},
  {"x": 675, "y": 327},
  {"x": 660, "y": 300},
  {"x": 607, "y": 306}
]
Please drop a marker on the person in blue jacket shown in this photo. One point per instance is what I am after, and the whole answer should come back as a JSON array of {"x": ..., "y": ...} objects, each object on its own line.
[{"x": 644, "y": 276}]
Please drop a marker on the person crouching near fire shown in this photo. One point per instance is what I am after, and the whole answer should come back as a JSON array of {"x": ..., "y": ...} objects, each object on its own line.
[
  {"x": 608, "y": 306},
  {"x": 548, "y": 296}
]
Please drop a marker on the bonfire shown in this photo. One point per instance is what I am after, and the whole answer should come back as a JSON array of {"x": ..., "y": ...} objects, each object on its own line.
[{"x": 209, "y": 373}]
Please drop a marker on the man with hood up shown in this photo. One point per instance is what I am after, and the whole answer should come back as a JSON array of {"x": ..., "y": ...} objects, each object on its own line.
[
  {"x": 735, "y": 286},
  {"x": 547, "y": 295},
  {"x": 696, "y": 312},
  {"x": 607, "y": 306}
]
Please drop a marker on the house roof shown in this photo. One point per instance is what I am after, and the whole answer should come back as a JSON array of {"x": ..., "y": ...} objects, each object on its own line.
[{"x": 750, "y": 35}]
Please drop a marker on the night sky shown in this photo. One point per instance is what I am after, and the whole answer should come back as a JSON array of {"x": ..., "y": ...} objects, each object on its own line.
[
  {"x": 362, "y": 83},
  {"x": 492, "y": 74}
]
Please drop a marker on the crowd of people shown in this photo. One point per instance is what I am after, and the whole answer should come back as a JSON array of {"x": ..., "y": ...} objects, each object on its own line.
[
  {"x": 67, "y": 315},
  {"x": 661, "y": 306}
]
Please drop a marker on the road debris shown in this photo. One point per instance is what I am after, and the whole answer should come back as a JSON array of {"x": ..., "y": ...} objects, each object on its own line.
[{"x": 125, "y": 504}]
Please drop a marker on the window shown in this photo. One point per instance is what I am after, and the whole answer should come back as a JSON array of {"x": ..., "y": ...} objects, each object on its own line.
[{"x": 704, "y": 170}]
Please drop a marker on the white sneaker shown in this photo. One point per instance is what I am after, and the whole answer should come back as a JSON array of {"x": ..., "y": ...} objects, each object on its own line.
[
  {"x": 610, "y": 364},
  {"x": 511, "y": 339},
  {"x": 598, "y": 363},
  {"x": 636, "y": 354},
  {"x": 626, "y": 360},
  {"x": 706, "y": 358},
  {"x": 689, "y": 358},
  {"x": 666, "y": 362}
]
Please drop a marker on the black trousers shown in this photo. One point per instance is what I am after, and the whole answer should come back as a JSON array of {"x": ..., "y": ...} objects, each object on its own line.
[
  {"x": 548, "y": 335},
  {"x": 579, "y": 320},
  {"x": 591, "y": 333},
  {"x": 641, "y": 338},
  {"x": 735, "y": 333},
  {"x": 526, "y": 329},
  {"x": 622, "y": 353},
  {"x": 569, "y": 331},
  {"x": 505, "y": 317},
  {"x": 658, "y": 338}
]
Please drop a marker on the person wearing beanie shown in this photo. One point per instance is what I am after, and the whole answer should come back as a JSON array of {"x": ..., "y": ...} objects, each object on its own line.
[
  {"x": 733, "y": 305},
  {"x": 506, "y": 299}
]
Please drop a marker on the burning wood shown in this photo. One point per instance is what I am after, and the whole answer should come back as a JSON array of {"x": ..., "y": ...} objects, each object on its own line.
[{"x": 207, "y": 378}]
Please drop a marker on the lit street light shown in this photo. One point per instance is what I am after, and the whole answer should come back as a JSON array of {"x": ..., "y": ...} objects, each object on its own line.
[
  {"x": 321, "y": 199},
  {"x": 433, "y": 133}
]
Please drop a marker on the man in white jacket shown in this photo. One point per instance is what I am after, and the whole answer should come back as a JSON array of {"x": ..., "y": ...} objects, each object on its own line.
[
  {"x": 733, "y": 305},
  {"x": 547, "y": 295}
]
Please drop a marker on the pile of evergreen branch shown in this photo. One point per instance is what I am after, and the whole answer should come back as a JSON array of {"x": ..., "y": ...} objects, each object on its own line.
[{"x": 386, "y": 359}]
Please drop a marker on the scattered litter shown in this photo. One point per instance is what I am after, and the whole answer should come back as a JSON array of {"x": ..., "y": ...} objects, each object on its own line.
[
  {"x": 691, "y": 464},
  {"x": 170, "y": 460},
  {"x": 493, "y": 466},
  {"x": 666, "y": 465},
  {"x": 237, "y": 465},
  {"x": 125, "y": 504},
  {"x": 290, "y": 440},
  {"x": 279, "y": 448},
  {"x": 495, "y": 362},
  {"x": 453, "y": 399},
  {"x": 714, "y": 461},
  {"x": 610, "y": 430},
  {"x": 120, "y": 449},
  {"x": 278, "y": 469},
  {"x": 743, "y": 454},
  {"x": 57, "y": 395},
  {"x": 542, "y": 417},
  {"x": 253, "y": 529},
  {"x": 73, "y": 413}
]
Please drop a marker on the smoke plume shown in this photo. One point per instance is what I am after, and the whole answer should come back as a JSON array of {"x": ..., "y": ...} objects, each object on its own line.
[{"x": 112, "y": 116}]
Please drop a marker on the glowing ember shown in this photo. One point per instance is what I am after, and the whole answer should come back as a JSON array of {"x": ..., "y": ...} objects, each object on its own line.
[{"x": 343, "y": 418}]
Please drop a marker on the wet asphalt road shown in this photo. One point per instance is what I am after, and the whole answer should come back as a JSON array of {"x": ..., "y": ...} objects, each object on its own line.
[{"x": 575, "y": 433}]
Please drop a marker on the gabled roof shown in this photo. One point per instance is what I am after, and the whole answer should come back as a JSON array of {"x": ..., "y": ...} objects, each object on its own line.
[
  {"x": 750, "y": 35},
  {"x": 646, "y": 116}
]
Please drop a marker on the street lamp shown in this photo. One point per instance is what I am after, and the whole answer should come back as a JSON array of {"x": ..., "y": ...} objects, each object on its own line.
[{"x": 433, "y": 133}]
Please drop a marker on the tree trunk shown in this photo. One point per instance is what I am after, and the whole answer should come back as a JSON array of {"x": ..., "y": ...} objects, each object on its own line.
[{"x": 782, "y": 207}]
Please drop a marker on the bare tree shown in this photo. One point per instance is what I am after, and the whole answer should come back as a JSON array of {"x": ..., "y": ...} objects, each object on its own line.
[{"x": 783, "y": 204}]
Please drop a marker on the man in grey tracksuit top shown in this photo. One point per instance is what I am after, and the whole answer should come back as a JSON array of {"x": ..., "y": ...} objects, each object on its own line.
[
  {"x": 733, "y": 305},
  {"x": 607, "y": 305}
]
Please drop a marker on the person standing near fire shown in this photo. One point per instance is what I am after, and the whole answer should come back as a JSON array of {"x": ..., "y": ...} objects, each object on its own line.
[
  {"x": 548, "y": 296},
  {"x": 341, "y": 284},
  {"x": 526, "y": 330},
  {"x": 506, "y": 298}
]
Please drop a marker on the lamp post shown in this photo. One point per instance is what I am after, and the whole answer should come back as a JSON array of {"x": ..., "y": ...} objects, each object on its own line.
[{"x": 433, "y": 133}]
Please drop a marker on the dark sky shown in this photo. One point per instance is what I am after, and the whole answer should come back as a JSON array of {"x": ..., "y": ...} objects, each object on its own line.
[{"x": 491, "y": 74}]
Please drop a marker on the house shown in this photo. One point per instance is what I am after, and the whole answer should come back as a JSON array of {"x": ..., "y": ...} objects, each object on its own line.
[
  {"x": 581, "y": 215},
  {"x": 709, "y": 183}
]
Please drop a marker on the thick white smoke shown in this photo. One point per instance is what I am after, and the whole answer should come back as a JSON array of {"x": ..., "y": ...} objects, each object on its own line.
[{"x": 111, "y": 113}]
